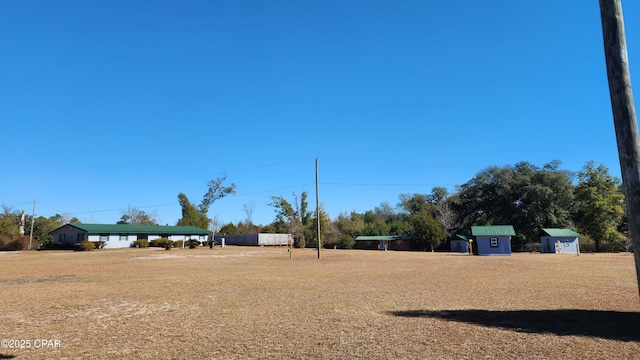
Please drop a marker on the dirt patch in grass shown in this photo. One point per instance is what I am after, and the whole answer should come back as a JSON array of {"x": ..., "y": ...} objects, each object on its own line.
[{"x": 241, "y": 302}]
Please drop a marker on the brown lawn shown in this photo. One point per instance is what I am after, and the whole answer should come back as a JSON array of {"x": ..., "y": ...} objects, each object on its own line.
[{"x": 247, "y": 302}]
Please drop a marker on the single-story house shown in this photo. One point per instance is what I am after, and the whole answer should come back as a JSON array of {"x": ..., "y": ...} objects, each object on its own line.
[
  {"x": 559, "y": 241},
  {"x": 492, "y": 240},
  {"x": 394, "y": 242},
  {"x": 123, "y": 235},
  {"x": 254, "y": 239},
  {"x": 460, "y": 243}
]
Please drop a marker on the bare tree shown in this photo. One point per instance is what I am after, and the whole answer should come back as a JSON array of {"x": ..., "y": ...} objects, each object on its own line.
[
  {"x": 135, "y": 216},
  {"x": 215, "y": 224},
  {"x": 248, "y": 210},
  {"x": 446, "y": 216}
]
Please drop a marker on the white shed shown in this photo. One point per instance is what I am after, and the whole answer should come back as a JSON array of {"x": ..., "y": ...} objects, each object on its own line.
[{"x": 254, "y": 239}]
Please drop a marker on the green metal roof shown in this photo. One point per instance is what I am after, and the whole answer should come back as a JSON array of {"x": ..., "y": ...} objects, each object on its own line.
[
  {"x": 383, "y": 238},
  {"x": 559, "y": 232},
  {"x": 461, "y": 237},
  {"x": 140, "y": 229},
  {"x": 494, "y": 230}
]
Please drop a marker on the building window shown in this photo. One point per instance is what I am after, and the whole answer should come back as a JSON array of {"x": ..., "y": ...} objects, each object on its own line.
[
  {"x": 63, "y": 238},
  {"x": 202, "y": 238},
  {"x": 104, "y": 237},
  {"x": 368, "y": 243},
  {"x": 493, "y": 242},
  {"x": 399, "y": 242},
  {"x": 80, "y": 237},
  {"x": 566, "y": 242},
  {"x": 124, "y": 237}
]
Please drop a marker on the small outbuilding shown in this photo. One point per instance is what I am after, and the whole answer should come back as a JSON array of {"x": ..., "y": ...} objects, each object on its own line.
[
  {"x": 459, "y": 243},
  {"x": 254, "y": 239},
  {"x": 393, "y": 242},
  {"x": 559, "y": 241},
  {"x": 492, "y": 240},
  {"x": 123, "y": 235}
]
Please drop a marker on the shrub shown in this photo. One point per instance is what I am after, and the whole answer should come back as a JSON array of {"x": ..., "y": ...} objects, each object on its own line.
[
  {"x": 161, "y": 242},
  {"x": 14, "y": 245},
  {"x": 141, "y": 243},
  {"x": 178, "y": 243},
  {"x": 533, "y": 247},
  {"x": 587, "y": 244},
  {"x": 84, "y": 246},
  {"x": 52, "y": 246},
  {"x": 99, "y": 244},
  {"x": 193, "y": 243}
]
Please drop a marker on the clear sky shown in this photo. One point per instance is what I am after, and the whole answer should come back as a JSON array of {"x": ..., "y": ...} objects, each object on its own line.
[{"x": 110, "y": 104}]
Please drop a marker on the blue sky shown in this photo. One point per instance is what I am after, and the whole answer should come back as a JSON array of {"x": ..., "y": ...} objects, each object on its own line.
[{"x": 110, "y": 104}]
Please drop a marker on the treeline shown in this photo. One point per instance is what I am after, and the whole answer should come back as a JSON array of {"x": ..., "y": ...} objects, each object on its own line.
[{"x": 526, "y": 196}]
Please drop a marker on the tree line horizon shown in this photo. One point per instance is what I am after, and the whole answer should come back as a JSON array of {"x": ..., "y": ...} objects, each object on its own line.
[{"x": 529, "y": 197}]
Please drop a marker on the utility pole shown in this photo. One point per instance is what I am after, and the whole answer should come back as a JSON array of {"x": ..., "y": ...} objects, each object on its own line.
[
  {"x": 318, "y": 210},
  {"x": 33, "y": 219},
  {"x": 624, "y": 115}
]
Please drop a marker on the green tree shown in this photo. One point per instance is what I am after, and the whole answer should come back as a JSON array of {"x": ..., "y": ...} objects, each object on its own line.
[
  {"x": 191, "y": 216},
  {"x": 197, "y": 215},
  {"x": 228, "y": 229},
  {"x": 9, "y": 222},
  {"x": 523, "y": 195},
  {"x": 292, "y": 218},
  {"x": 374, "y": 224},
  {"x": 42, "y": 227},
  {"x": 600, "y": 205},
  {"x": 427, "y": 231},
  {"x": 414, "y": 203}
]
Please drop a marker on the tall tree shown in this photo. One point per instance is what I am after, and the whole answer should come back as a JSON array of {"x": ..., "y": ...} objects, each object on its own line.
[
  {"x": 600, "y": 204},
  {"x": 292, "y": 218},
  {"x": 523, "y": 195},
  {"x": 349, "y": 226},
  {"x": 216, "y": 192},
  {"x": 197, "y": 215},
  {"x": 427, "y": 232},
  {"x": 191, "y": 216}
]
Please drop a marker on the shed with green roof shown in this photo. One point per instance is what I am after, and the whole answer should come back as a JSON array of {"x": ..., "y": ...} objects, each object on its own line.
[
  {"x": 390, "y": 242},
  {"x": 559, "y": 241},
  {"x": 492, "y": 240},
  {"x": 459, "y": 243}
]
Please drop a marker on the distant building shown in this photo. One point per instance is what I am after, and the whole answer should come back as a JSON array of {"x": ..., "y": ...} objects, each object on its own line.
[
  {"x": 254, "y": 239},
  {"x": 460, "y": 243},
  {"x": 393, "y": 242},
  {"x": 559, "y": 241},
  {"x": 492, "y": 240},
  {"x": 123, "y": 235}
]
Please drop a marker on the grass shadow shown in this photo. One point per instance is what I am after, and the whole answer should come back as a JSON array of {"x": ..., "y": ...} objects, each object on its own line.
[{"x": 612, "y": 325}]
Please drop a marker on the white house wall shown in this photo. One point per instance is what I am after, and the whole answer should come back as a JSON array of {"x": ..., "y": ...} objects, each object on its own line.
[{"x": 113, "y": 240}]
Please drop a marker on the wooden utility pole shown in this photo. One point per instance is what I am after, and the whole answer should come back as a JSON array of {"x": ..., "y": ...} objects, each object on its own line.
[
  {"x": 318, "y": 210},
  {"x": 624, "y": 115}
]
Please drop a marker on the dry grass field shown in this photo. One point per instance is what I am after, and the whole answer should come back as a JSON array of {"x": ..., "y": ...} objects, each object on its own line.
[{"x": 256, "y": 303}]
